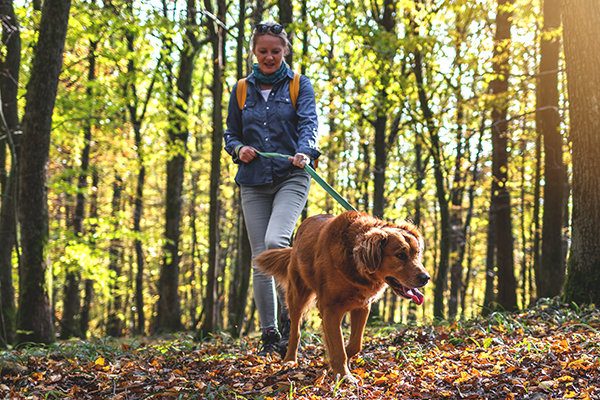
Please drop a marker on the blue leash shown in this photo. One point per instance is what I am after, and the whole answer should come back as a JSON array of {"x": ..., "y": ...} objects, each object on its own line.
[{"x": 343, "y": 202}]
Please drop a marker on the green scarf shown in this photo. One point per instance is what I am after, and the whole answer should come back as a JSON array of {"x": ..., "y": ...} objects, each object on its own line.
[{"x": 270, "y": 79}]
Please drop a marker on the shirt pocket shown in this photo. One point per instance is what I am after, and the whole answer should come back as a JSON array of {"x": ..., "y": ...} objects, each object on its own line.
[
  {"x": 248, "y": 112},
  {"x": 285, "y": 109}
]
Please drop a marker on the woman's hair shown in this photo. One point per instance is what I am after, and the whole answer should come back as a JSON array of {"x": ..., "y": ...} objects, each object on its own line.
[{"x": 269, "y": 31}]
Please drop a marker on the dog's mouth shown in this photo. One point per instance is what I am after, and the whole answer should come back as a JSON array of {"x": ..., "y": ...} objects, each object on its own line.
[{"x": 410, "y": 294}]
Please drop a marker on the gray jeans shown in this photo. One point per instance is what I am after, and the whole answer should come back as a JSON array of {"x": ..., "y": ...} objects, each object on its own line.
[{"x": 271, "y": 212}]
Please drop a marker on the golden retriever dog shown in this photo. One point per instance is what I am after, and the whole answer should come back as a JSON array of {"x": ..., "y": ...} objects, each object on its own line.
[{"x": 345, "y": 262}]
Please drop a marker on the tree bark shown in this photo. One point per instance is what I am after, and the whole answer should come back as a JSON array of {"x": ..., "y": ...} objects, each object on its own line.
[
  {"x": 457, "y": 233},
  {"x": 34, "y": 318},
  {"x": 286, "y": 14},
  {"x": 490, "y": 264},
  {"x": 9, "y": 79},
  {"x": 168, "y": 318},
  {"x": 209, "y": 325},
  {"x": 507, "y": 295},
  {"x": 243, "y": 263},
  {"x": 435, "y": 152},
  {"x": 581, "y": 21},
  {"x": 535, "y": 251},
  {"x": 551, "y": 277},
  {"x": 114, "y": 322},
  {"x": 137, "y": 113},
  {"x": 71, "y": 309}
]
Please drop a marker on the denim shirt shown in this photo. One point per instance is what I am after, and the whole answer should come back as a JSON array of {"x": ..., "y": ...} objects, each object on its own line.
[{"x": 272, "y": 126}]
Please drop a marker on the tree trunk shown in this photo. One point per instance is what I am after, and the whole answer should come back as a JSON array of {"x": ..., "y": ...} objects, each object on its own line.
[
  {"x": 9, "y": 79},
  {"x": 34, "y": 318},
  {"x": 71, "y": 300},
  {"x": 581, "y": 21},
  {"x": 243, "y": 265},
  {"x": 457, "y": 237},
  {"x": 137, "y": 116},
  {"x": 114, "y": 322},
  {"x": 490, "y": 264},
  {"x": 551, "y": 277},
  {"x": 168, "y": 318},
  {"x": 86, "y": 307},
  {"x": 195, "y": 281},
  {"x": 469, "y": 216},
  {"x": 210, "y": 304},
  {"x": 286, "y": 14},
  {"x": 535, "y": 251},
  {"x": 435, "y": 152},
  {"x": 507, "y": 294}
]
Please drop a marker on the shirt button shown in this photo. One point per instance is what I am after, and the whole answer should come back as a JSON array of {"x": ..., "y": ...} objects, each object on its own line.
[
  {"x": 264, "y": 123},
  {"x": 266, "y": 139},
  {"x": 267, "y": 108}
]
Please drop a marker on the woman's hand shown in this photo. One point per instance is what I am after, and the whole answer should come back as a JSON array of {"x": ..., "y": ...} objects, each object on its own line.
[
  {"x": 300, "y": 160},
  {"x": 247, "y": 154}
]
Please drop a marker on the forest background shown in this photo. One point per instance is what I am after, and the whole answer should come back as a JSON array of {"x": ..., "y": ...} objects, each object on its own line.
[{"x": 120, "y": 215}]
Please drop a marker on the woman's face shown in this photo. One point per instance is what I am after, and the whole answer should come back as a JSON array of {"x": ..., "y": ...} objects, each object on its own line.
[{"x": 269, "y": 52}]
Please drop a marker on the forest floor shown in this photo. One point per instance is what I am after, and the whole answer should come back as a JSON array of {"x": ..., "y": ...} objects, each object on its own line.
[{"x": 547, "y": 352}]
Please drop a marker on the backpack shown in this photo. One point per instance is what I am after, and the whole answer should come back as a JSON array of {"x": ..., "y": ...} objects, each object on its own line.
[{"x": 243, "y": 85}]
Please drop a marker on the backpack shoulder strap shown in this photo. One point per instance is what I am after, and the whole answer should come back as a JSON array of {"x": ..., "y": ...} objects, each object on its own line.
[
  {"x": 241, "y": 92},
  {"x": 295, "y": 89}
]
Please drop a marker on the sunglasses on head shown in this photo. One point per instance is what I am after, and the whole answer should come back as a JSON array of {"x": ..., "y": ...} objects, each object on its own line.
[{"x": 263, "y": 28}]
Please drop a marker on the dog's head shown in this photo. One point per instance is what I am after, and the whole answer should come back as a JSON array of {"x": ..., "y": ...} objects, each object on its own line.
[{"x": 392, "y": 253}]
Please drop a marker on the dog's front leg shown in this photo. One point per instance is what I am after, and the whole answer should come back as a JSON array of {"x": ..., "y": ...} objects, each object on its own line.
[
  {"x": 334, "y": 341},
  {"x": 358, "y": 320}
]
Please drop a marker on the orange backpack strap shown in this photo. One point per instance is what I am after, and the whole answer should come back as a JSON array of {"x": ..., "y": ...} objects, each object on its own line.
[
  {"x": 241, "y": 92},
  {"x": 295, "y": 88}
]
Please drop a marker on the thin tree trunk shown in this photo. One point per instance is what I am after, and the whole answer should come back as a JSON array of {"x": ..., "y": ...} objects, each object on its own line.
[
  {"x": 34, "y": 318},
  {"x": 84, "y": 318},
  {"x": 210, "y": 304},
  {"x": 551, "y": 278},
  {"x": 168, "y": 316},
  {"x": 507, "y": 296},
  {"x": 193, "y": 306},
  {"x": 420, "y": 179},
  {"x": 490, "y": 264},
  {"x": 535, "y": 252},
  {"x": 114, "y": 323},
  {"x": 457, "y": 237},
  {"x": 435, "y": 152},
  {"x": 469, "y": 215},
  {"x": 523, "y": 206},
  {"x": 137, "y": 117},
  {"x": 286, "y": 14},
  {"x": 243, "y": 263},
  {"x": 9, "y": 86}
]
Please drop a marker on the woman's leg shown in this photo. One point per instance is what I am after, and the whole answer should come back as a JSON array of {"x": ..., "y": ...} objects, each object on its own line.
[
  {"x": 288, "y": 203},
  {"x": 257, "y": 203}
]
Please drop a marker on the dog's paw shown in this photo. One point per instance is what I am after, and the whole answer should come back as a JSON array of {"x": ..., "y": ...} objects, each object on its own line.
[{"x": 346, "y": 378}]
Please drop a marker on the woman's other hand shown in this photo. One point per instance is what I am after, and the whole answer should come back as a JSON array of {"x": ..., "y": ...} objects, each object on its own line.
[
  {"x": 247, "y": 154},
  {"x": 300, "y": 160}
]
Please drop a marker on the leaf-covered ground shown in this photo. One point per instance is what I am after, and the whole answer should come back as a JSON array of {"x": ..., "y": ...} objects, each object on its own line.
[{"x": 549, "y": 352}]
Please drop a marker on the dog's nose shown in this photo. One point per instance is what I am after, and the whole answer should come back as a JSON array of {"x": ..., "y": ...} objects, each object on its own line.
[{"x": 424, "y": 278}]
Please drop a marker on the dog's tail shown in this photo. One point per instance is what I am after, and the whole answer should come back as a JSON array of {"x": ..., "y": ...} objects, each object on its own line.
[{"x": 275, "y": 263}]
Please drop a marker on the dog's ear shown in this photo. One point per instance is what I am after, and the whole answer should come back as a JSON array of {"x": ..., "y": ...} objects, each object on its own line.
[{"x": 368, "y": 251}]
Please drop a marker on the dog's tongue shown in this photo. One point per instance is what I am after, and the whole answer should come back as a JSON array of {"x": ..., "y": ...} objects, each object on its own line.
[{"x": 416, "y": 295}]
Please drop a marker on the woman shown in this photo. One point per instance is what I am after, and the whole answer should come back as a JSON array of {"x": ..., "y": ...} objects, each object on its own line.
[{"x": 273, "y": 190}]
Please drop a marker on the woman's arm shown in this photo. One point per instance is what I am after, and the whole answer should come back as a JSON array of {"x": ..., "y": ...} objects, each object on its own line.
[
  {"x": 308, "y": 126},
  {"x": 233, "y": 132}
]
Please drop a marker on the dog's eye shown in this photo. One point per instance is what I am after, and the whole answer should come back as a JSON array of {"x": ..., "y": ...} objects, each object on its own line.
[{"x": 402, "y": 256}]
